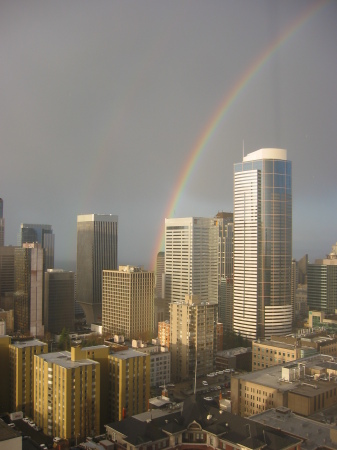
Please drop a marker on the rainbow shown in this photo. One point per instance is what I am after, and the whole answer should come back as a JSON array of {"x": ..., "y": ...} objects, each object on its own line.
[{"x": 220, "y": 113}]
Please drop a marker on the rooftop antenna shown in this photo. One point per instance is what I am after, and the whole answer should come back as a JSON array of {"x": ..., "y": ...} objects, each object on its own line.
[{"x": 243, "y": 149}]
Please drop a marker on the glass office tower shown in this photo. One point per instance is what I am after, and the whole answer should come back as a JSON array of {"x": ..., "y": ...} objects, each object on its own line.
[
  {"x": 2, "y": 224},
  {"x": 96, "y": 251},
  {"x": 43, "y": 234},
  {"x": 262, "y": 244}
]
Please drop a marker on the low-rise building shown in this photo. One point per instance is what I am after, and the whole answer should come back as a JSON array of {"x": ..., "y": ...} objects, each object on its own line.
[
  {"x": 284, "y": 349},
  {"x": 9, "y": 438},
  {"x": 306, "y": 386},
  {"x": 313, "y": 434},
  {"x": 196, "y": 426},
  {"x": 235, "y": 358}
]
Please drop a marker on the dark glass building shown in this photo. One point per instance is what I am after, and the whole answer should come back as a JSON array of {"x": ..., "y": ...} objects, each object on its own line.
[
  {"x": 262, "y": 244},
  {"x": 43, "y": 234},
  {"x": 28, "y": 289},
  {"x": 2, "y": 224},
  {"x": 59, "y": 300},
  {"x": 96, "y": 251}
]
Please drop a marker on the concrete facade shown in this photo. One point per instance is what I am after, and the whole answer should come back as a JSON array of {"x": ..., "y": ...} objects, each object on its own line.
[{"x": 128, "y": 302}]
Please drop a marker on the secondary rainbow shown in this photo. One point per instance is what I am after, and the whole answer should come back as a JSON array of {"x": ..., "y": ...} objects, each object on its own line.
[{"x": 220, "y": 113}]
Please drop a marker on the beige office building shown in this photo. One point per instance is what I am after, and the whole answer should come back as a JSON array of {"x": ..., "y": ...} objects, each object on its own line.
[
  {"x": 268, "y": 353},
  {"x": 66, "y": 394},
  {"x": 127, "y": 302},
  {"x": 193, "y": 332},
  {"x": 306, "y": 386}
]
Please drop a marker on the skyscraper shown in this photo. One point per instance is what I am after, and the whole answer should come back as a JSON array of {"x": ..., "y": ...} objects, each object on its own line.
[
  {"x": 96, "y": 251},
  {"x": 191, "y": 258},
  {"x": 43, "y": 234},
  {"x": 322, "y": 283},
  {"x": 127, "y": 304},
  {"x": 2, "y": 224},
  {"x": 262, "y": 244},
  {"x": 225, "y": 269},
  {"x": 59, "y": 300},
  {"x": 28, "y": 289},
  {"x": 191, "y": 282}
]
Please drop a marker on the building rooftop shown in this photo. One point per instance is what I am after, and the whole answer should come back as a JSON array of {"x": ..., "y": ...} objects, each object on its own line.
[
  {"x": 314, "y": 434},
  {"x": 63, "y": 359},
  {"x": 30, "y": 343},
  {"x": 266, "y": 153},
  {"x": 234, "y": 351},
  {"x": 272, "y": 376},
  {"x": 7, "y": 432},
  {"x": 226, "y": 426},
  {"x": 126, "y": 354},
  {"x": 277, "y": 344},
  {"x": 97, "y": 218},
  {"x": 95, "y": 347}
]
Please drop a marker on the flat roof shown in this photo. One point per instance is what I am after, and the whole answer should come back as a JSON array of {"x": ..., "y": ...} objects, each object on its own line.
[
  {"x": 277, "y": 344},
  {"x": 97, "y": 218},
  {"x": 7, "y": 432},
  {"x": 129, "y": 353},
  {"x": 272, "y": 376},
  {"x": 94, "y": 347},
  {"x": 314, "y": 434},
  {"x": 63, "y": 359},
  {"x": 30, "y": 343}
]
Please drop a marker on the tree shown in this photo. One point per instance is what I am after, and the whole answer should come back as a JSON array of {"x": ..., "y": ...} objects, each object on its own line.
[{"x": 64, "y": 342}]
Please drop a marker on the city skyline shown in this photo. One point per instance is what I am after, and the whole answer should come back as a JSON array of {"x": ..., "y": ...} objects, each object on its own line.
[{"x": 103, "y": 107}]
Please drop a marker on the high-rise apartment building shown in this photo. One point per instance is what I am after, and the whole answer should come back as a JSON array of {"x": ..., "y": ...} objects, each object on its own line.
[
  {"x": 59, "y": 300},
  {"x": 130, "y": 383},
  {"x": 262, "y": 244},
  {"x": 5, "y": 399},
  {"x": 127, "y": 304},
  {"x": 66, "y": 394},
  {"x": 191, "y": 258},
  {"x": 21, "y": 372},
  {"x": 2, "y": 224},
  {"x": 193, "y": 337},
  {"x": 96, "y": 251},
  {"x": 28, "y": 289},
  {"x": 164, "y": 333},
  {"x": 322, "y": 283},
  {"x": 43, "y": 234}
]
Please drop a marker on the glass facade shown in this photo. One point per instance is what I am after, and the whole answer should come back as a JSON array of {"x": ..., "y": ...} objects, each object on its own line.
[
  {"x": 96, "y": 251},
  {"x": 43, "y": 234},
  {"x": 262, "y": 244}
]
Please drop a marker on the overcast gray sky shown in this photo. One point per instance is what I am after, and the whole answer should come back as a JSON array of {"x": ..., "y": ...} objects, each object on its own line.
[{"x": 103, "y": 101}]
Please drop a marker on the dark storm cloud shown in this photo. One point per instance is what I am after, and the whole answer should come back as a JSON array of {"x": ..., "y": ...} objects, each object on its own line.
[{"x": 101, "y": 103}]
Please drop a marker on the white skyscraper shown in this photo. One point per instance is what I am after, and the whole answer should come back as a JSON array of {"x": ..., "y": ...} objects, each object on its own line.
[
  {"x": 191, "y": 258},
  {"x": 262, "y": 244}
]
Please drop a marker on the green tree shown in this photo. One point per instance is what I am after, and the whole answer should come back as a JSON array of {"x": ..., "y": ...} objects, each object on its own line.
[{"x": 64, "y": 342}]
